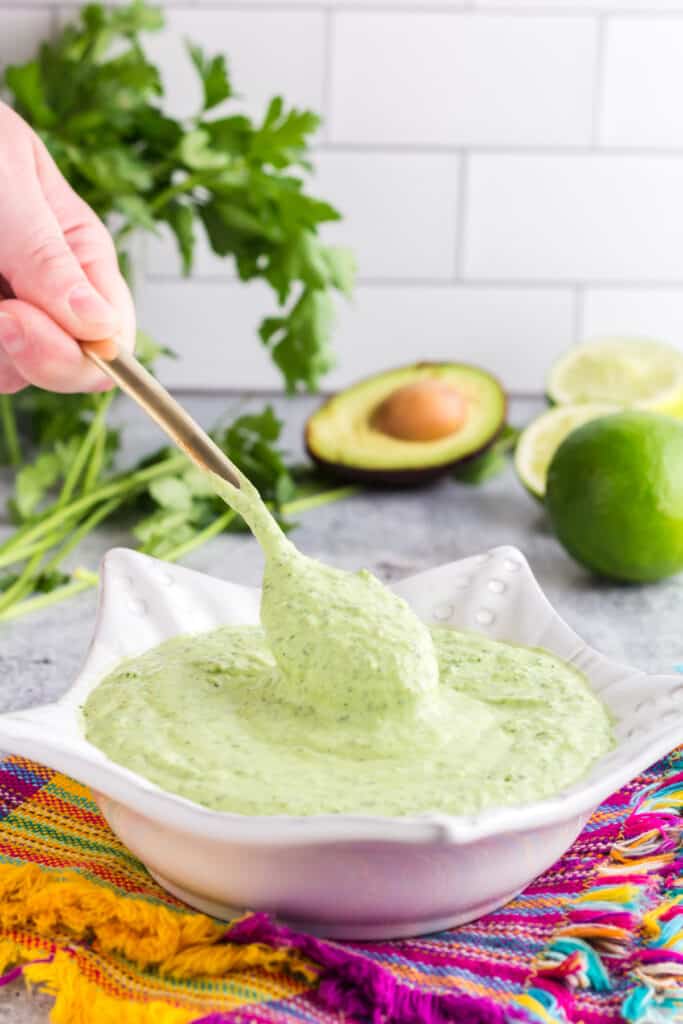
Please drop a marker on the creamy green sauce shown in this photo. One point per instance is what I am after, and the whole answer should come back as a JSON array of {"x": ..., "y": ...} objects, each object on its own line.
[{"x": 343, "y": 701}]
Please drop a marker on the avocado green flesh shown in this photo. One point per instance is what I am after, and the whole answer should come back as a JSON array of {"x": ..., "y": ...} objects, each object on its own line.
[
  {"x": 342, "y": 700},
  {"x": 341, "y": 433}
]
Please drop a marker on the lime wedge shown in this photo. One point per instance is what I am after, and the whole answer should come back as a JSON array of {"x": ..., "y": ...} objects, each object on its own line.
[
  {"x": 544, "y": 435},
  {"x": 630, "y": 372}
]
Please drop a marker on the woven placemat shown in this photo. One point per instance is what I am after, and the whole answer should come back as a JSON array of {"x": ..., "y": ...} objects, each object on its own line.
[{"x": 597, "y": 938}]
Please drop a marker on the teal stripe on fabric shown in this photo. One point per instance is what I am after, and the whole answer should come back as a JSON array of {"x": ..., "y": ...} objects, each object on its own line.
[{"x": 72, "y": 798}]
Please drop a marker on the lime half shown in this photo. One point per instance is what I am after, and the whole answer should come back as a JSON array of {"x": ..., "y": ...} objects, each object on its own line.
[
  {"x": 541, "y": 439},
  {"x": 630, "y": 372}
]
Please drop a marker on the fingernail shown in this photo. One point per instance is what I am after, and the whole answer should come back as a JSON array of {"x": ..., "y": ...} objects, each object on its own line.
[
  {"x": 11, "y": 334},
  {"x": 91, "y": 307}
]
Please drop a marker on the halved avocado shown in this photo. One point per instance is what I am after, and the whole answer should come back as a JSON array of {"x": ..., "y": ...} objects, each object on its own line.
[{"x": 407, "y": 425}]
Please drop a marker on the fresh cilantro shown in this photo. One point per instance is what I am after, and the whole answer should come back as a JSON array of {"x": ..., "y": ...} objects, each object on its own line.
[
  {"x": 180, "y": 504},
  {"x": 96, "y": 100}
]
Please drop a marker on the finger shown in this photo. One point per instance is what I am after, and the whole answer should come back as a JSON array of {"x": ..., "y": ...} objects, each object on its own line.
[
  {"x": 43, "y": 354},
  {"x": 43, "y": 270},
  {"x": 89, "y": 241},
  {"x": 11, "y": 380},
  {"x": 115, "y": 289}
]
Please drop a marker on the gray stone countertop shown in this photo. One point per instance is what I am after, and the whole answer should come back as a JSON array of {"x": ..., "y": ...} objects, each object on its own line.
[{"x": 393, "y": 533}]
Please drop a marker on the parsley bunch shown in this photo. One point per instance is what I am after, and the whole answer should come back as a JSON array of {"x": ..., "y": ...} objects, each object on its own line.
[{"x": 97, "y": 102}]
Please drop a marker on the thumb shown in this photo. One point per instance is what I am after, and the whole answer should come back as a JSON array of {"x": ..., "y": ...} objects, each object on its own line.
[{"x": 43, "y": 270}]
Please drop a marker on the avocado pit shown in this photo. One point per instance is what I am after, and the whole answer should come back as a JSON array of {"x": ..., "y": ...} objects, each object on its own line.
[{"x": 426, "y": 410}]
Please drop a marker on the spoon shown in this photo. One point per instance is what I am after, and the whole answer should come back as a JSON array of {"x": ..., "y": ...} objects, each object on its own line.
[{"x": 131, "y": 376}]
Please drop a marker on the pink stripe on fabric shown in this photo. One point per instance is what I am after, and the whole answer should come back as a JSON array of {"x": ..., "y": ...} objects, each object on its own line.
[{"x": 359, "y": 987}]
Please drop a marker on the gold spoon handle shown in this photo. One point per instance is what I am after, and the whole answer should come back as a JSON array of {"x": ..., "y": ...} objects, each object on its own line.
[
  {"x": 142, "y": 387},
  {"x": 131, "y": 376}
]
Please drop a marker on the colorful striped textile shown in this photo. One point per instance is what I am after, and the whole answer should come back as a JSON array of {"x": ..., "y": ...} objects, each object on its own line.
[{"x": 598, "y": 938}]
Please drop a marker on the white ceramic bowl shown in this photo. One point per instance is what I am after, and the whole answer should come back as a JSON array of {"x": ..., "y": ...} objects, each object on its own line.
[{"x": 352, "y": 876}]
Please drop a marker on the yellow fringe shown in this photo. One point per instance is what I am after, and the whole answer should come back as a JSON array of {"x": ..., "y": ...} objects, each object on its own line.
[
  {"x": 79, "y": 1001},
  {"x": 10, "y": 955},
  {"x": 180, "y": 944}
]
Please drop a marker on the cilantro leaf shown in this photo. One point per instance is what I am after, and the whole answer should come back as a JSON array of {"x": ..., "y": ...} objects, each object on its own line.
[
  {"x": 30, "y": 99},
  {"x": 180, "y": 218},
  {"x": 96, "y": 99},
  {"x": 299, "y": 341},
  {"x": 177, "y": 506},
  {"x": 196, "y": 152},
  {"x": 33, "y": 483},
  {"x": 214, "y": 75},
  {"x": 251, "y": 443}
]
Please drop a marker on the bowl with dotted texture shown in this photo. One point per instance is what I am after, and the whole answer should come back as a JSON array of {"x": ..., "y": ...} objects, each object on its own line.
[{"x": 341, "y": 875}]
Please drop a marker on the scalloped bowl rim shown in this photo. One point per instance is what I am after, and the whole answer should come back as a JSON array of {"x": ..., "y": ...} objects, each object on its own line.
[{"x": 53, "y": 732}]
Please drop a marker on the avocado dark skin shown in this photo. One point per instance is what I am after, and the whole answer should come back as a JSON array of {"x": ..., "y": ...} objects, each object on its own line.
[{"x": 414, "y": 475}]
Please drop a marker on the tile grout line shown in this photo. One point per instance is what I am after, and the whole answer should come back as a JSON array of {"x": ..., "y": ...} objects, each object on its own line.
[
  {"x": 475, "y": 283},
  {"x": 569, "y": 151},
  {"x": 465, "y": 7},
  {"x": 247, "y": 393},
  {"x": 469, "y": 8}
]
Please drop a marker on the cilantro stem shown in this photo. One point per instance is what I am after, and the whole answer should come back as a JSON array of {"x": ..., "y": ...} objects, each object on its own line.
[
  {"x": 86, "y": 576},
  {"x": 125, "y": 485},
  {"x": 9, "y": 424},
  {"x": 44, "y": 544},
  {"x": 172, "y": 191},
  {"x": 34, "y": 604},
  {"x": 214, "y": 528},
  {"x": 87, "y": 445},
  {"x": 23, "y": 581},
  {"x": 157, "y": 204},
  {"x": 85, "y": 528},
  {"x": 99, "y": 448},
  {"x": 19, "y": 553},
  {"x": 292, "y": 508},
  {"x": 83, "y": 579}
]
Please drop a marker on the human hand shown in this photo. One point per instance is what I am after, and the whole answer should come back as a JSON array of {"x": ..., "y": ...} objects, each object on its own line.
[{"x": 59, "y": 262}]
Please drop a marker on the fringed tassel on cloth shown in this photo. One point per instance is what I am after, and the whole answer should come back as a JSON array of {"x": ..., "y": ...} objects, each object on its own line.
[
  {"x": 183, "y": 945},
  {"x": 179, "y": 944},
  {"x": 548, "y": 1005},
  {"x": 658, "y": 967},
  {"x": 361, "y": 989},
  {"x": 599, "y": 929},
  {"x": 603, "y": 922},
  {"x": 78, "y": 1000},
  {"x": 574, "y": 963}
]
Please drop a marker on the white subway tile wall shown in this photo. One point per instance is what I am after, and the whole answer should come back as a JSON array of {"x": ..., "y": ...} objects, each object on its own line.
[
  {"x": 511, "y": 172},
  {"x": 19, "y": 32},
  {"x": 574, "y": 217},
  {"x": 643, "y": 83},
  {"x": 461, "y": 79},
  {"x": 653, "y": 312}
]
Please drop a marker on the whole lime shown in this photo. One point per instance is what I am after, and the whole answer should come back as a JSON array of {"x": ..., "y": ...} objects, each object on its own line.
[{"x": 615, "y": 495}]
